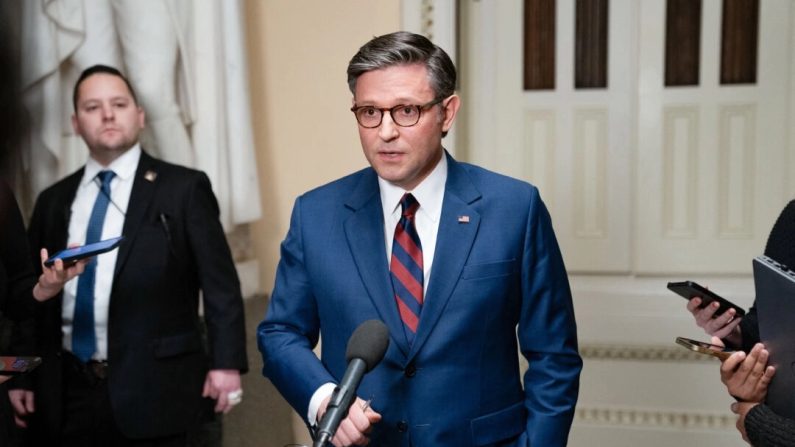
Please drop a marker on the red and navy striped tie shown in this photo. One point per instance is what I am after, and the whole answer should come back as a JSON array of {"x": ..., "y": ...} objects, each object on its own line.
[{"x": 406, "y": 267}]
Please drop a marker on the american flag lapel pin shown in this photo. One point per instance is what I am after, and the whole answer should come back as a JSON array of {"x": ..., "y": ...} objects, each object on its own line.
[
  {"x": 463, "y": 219},
  {"x": 150, "y": 175}
]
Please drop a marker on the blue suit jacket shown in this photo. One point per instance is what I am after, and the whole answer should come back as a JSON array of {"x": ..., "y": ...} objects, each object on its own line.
[{"x": 498, "y": 275}]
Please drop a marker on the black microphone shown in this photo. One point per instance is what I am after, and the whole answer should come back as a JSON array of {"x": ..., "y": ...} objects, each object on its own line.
[{"x": 366, "y": 348}]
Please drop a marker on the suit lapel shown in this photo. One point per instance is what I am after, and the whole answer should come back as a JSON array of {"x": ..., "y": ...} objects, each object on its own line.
[
  {"x": 364, "y": 230},
  {"x": 64, "y": 213},
  {"x": 458, "y": 226},
  {"x": 143, "y": 189}
]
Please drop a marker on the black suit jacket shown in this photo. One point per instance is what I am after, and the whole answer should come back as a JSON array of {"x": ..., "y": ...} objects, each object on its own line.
[
  {"x": 16, "y": 271},
  {"x": 174, "y": 247}
]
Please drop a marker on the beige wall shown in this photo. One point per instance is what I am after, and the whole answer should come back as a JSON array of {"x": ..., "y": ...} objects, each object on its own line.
[{"x": 305, "y": 135}]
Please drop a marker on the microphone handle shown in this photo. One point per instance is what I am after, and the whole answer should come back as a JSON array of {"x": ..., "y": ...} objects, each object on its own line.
[
  {"x": 322, "y": 439},
  {"x": 341, "y": 400}
]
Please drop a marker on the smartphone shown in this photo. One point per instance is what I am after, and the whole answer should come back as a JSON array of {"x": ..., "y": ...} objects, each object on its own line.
[
  {"x": 705, "y": 348},
  {"x": 690, "y": 289},
  {"x": 13, "y": 365},
  {"x": 74, "y": 254}
]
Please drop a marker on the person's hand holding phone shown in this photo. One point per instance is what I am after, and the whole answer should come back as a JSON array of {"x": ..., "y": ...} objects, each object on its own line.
[
  {"x": 53, "y": 278},
  {"x": 725, "y": 325},
  {"x": 747, "y": 376},
  {"x": 718, "y": 316}
]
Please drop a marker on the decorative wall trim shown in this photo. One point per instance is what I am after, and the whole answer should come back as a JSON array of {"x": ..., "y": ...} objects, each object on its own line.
[
  {"x": 590, "y": 173},
  {"x": 645, "y": 353},
  {"x": 426, "y": 11},
  {"x": 539, "y": 149},
  {"x": 638, "y": 417},
  {"x": 246, "y": 262},
  {"x": 737, "y": 161},
  {"x": 680, "y": 171}
]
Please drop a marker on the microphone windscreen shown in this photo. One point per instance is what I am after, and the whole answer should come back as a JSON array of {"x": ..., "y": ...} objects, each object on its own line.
[{"x": 368, "y": 342}]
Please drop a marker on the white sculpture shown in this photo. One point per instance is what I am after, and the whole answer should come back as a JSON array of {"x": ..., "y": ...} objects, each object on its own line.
[{"x": 186, "y": 61}]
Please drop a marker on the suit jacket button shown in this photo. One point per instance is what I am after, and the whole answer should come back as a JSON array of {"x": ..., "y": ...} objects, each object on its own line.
[
  {"x": 410, "y": 371},
  {"x": 402, "y": 426}
]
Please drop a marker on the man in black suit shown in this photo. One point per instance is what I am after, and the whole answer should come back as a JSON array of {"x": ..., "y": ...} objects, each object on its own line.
[{"x": 141, "y": 377}]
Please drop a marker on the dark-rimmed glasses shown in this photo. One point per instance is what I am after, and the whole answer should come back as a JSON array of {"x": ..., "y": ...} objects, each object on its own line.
[{"x": 404, "y": 115}]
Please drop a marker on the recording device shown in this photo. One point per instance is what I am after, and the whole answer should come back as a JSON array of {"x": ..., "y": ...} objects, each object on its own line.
[
  {"x": 775, "y": 290},
  {"x": 13, "y": 365},
  {"x": 74, "y": 254},
  {"x": 366, "y": 348},
  {"x": 690, "y": 289},
  {"x": 720, "y": 352}
]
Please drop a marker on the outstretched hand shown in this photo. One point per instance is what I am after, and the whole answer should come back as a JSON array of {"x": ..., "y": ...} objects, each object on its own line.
[{"x": 52, "y": 279}]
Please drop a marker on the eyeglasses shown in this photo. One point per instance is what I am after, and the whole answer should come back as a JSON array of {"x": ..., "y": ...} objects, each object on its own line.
[{"x": 404, "y": 115}]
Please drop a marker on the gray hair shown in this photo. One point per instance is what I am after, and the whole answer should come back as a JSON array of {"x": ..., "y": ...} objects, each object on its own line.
[{"x": 401, "y": 48}]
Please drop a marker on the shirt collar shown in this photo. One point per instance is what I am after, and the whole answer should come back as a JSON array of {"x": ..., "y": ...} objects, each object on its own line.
[
  {"x": 124, "y": 166},
  {"x": 429, "y": 193}
]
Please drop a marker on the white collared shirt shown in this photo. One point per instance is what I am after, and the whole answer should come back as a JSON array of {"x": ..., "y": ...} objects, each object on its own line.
[
  {"x": 430, "y": 195},
  {"x": 120, "y": 188}
]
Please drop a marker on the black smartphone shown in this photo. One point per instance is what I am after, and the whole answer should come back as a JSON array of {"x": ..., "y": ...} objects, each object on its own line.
[
  {"x": 74, "y": 254},
  {"x": 13, "y": 365},
  {"x": 690, "y": 289},
  {"x": 705, "y": 348}
]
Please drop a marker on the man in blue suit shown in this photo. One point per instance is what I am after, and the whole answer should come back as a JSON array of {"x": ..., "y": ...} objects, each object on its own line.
[{"x": 460, "y": 263}]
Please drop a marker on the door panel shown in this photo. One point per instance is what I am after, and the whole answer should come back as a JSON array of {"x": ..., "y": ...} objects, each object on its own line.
[
  {"x": 712, "y": 158},
  {"x": 573, "y": 144},
  {"x": 645, "y": 184}
]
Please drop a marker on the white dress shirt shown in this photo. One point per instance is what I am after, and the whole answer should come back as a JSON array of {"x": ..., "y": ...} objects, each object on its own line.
[
  {"x": 429, "y": 194},
  {"x": 120, "y": 188}
]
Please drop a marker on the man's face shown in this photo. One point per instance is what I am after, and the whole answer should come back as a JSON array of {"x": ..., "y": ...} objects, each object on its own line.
[
  {"x": 403, "y": 156},
  {"x": 107, "y": 117}
]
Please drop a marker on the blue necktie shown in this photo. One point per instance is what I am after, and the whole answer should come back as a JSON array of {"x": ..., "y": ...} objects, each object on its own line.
[
  {"x": 84, "y": 339},
  {"x": 406, "y": 267}
]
